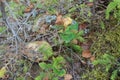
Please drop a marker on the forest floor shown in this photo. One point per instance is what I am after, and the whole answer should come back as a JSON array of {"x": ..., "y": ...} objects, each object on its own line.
[{"x": 59, "y": 40}]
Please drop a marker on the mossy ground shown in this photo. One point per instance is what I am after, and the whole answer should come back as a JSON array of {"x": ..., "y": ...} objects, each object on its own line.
[{"x": 106, "y": 43}]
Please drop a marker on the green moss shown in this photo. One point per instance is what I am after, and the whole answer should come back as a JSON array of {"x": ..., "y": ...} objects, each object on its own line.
[
  {"x": 95, "y": 74},
  {"x": 106, "y": 43}
]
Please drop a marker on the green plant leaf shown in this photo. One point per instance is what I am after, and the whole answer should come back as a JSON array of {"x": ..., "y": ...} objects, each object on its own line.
[
  {"x": 72, "y": 9},
  {"x": 2, "y": 28},
  {"x": 45, "y": 66},
  {"x": 2, "y": 72},
  {"x": 108, "y": 67},
  {"x": 72, "y": 27},
  {"x": 106, "y": 59},
  {"x": 25, "y": 68},
  {"x": 41, "y": 76},
  {"x": 90, "y": 0},
  {"x": 114, "y": 75},
  {"x": 75, "y": 47},
  {"x": 55, "y": 78},
  {"x": 40, "y": 6},
  {"x": 70, "y": 33},
  {"x": 20, "y": 78},
  {"x": 58, "y": 61},
  {"x": 110, "y": 7},
  {"x": 38, "y": 78},
  {"x": 46, "y": 50},
  {"x": 102, "y": 25},
  {"x": 117, "y": 1},
  {"x": 67, "y": 36},
  {"x": 80, "y": 33},
  {"x": 59, "y": 73},
  {"x": 81, "y": 39},
  {"x": 62, "y": 73}
]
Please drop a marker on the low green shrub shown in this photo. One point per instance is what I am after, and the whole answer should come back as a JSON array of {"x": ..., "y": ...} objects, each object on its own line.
[
  {"x": 52, "y": 70},
  {"x": 110, "y": 65},
  {"x": 115, "y": 8}
]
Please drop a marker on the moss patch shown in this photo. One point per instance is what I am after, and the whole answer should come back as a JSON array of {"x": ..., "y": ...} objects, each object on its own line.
[{"x": 108, "y": 42}]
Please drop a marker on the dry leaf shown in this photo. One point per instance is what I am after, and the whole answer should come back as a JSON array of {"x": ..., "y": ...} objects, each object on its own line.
[
  {"x": 59, "y": 20},
  {"x": 86, "y": 54},
  {"x": 27, "y": 10},
  {"x": 45, "y": 26},
  {"x": 75, "y": 41},
  {"x": 63, "y": 21},
  {"x": 90, "y": 4},
  {"x": 68, "y": 77},
  {"x": 31, "y": 6},
  {"x": 34, "y": 45},
  {"x": 67, "y": 21},
  {"x": 17, "y": 1},
  {"x": 92, "y": 58},
  {"x": 46, "y": 78},
  {"x": 82, "y": 26}
]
